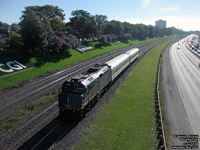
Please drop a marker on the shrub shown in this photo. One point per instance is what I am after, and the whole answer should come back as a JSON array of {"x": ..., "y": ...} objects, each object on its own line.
[
  {"x": 63, "y": 41},
  {"x": 125, "y": 37},
  {"x": 107, "y": 38},
  {"x": 15, "y": 41},
  {"x": 2, "y": 43},
  {"x": 103, "y": 38}
]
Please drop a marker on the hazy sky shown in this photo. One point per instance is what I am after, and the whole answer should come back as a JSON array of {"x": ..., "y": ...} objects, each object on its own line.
[{"x": 182, "y": 14}]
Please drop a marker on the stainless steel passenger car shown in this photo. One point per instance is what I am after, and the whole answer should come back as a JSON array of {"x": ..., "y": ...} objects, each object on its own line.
[
  {"x": 133, "y": 53},
  {"x": 119, "y": 63}
]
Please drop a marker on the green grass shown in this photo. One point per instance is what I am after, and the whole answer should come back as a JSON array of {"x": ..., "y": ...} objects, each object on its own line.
[
  {"x": 63, "y": 63},
  {"x": 128, "y": 120}
]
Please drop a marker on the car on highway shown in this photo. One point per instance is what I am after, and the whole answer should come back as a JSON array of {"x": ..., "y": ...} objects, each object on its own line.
[
  {"x": 197, "y": 46},
  {"x": 192, "y": 47}
]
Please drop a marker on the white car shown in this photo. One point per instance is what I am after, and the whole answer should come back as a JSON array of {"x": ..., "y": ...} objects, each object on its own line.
[{"x": 193, "y": 48}]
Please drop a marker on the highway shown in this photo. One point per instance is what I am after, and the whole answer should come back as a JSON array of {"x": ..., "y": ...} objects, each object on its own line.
[{"x": 187, "y": 75}]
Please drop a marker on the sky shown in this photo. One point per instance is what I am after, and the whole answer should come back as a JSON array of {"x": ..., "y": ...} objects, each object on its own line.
[{"x": 182, "y": 14}]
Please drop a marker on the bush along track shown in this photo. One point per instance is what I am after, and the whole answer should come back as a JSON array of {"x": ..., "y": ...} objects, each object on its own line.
[{"x": 128, "y": 120}]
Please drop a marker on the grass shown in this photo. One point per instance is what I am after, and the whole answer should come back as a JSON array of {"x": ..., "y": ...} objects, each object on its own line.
[
  {"x": 75, "y": 57},
  {"x": 128, "y": 120},
  {"x": 9, "y": 122}
]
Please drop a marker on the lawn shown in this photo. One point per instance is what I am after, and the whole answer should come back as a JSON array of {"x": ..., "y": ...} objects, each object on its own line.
[{"x": 128, "y": 120}]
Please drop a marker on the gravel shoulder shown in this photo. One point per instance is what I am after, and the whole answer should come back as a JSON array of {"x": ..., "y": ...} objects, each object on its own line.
[{"x": 175, "y": 113}]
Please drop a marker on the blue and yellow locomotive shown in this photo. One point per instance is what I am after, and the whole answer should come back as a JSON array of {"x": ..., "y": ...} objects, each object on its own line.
[{"x": 82, "y": 91}]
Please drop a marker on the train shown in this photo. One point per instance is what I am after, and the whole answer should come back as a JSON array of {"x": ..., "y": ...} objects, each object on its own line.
[{"x": 82, "y": 91}]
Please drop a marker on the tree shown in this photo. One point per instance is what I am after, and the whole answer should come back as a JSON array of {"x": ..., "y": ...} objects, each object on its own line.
[
  {"x": 39, "y": 24},
  {"x": 125, "y": 37},
  {"x": 3, "y": 24},
  {"x": 2, "y": 43},
  {"x": 57, "y": 25},
  {"x": 82, "y": 23},
  {"x": 53, "y": 14},
  {"x": 141, "y": 32},
  {"x": 150, "y": 31},
  {"x": 15, "y": 41},
  {"x": 127, "y": 27},
  {"x": 36, "y": 31},
  {"x": 100, "y": 21},
  {"x": 113, "y": 27}
]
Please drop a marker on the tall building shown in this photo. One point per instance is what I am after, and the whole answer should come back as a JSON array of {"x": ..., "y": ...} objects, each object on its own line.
[{"x": 161, "y": 23}]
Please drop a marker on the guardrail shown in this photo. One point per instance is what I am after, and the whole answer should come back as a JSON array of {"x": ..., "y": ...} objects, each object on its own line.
[{"x": 159, "y": 122}]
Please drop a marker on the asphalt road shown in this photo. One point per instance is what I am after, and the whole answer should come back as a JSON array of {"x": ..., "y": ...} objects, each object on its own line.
[{"x": 181, "y": 86}]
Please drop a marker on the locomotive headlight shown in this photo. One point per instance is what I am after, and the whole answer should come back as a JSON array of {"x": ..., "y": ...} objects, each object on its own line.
[{"x": 68, "y": 100}]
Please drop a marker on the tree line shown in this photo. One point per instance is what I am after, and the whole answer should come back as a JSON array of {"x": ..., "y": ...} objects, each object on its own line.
[{"x": 42, "y": 29}]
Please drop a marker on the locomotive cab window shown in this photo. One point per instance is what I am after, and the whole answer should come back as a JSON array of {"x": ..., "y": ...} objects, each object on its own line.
[
  {"x": 76, "y": 88},
  {"x": 66, "y": 87}
]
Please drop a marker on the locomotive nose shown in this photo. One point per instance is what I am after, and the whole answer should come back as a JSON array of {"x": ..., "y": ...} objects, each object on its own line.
[{"x": 70, "y": 101}]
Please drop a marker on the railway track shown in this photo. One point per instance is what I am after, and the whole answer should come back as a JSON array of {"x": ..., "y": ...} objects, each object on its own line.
[
  {"x": 54, "y": 134},
  {"x": 13, "y": 100},
  {"x": 15, "y": 139}
]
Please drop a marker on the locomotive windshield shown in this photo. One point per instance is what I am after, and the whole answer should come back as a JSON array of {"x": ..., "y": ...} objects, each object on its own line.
[{"x": 73, "y": 88}]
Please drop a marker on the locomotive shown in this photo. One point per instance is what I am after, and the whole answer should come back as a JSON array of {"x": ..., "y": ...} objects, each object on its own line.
[{"x": 82, "y": 91}]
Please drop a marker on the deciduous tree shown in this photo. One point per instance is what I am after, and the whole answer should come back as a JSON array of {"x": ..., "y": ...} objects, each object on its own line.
[
  {"x": 82, "y": 23},
  {"x": 39, "y": 24},
  {"x": 100, "y": 21}
]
